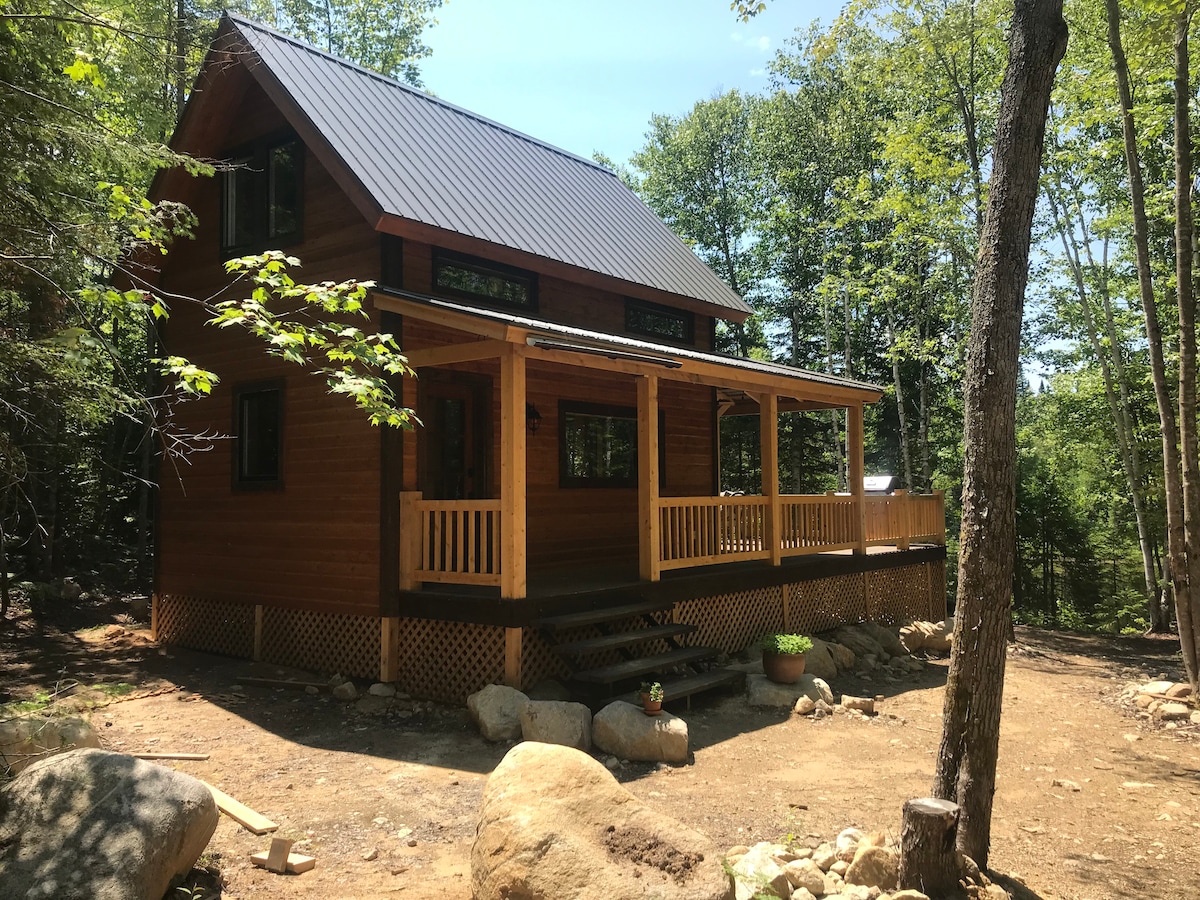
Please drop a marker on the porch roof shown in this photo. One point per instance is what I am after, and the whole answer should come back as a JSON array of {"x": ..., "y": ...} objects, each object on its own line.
[{"x": 556, "y": 342}]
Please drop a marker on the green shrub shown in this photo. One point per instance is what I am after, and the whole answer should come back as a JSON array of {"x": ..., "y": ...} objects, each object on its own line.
[{"x": 786, "y": 643}]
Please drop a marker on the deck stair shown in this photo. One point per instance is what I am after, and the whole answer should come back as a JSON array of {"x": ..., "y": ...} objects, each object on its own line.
[{"x": 610, "y": 651}]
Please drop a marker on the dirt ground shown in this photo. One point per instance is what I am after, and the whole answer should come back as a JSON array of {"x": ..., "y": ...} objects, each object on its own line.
[{"x": 386, "y": 803}]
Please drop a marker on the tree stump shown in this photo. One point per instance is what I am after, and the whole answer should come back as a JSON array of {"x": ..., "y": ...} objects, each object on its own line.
[{"x": 928, "y": 858}]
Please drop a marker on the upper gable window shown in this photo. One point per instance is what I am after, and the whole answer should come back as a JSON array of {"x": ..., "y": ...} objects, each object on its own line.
[
  {"x": 652, "y": 320},
  {"x": 261, "y": 199},
  {"x": 481, "y": 279}
]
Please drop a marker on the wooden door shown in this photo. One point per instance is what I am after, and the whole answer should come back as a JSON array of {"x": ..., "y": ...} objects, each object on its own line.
[{"x": 456, "y": 440}]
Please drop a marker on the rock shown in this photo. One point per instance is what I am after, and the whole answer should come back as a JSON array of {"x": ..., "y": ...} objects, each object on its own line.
[
  {"x": 804, "y": 706},
  {"x": 909, "y": 894},
  {"x": 860, "y": 641},
  {"x": 846, "y": 843},
  {"x": 802, "y": 894},
  {"x": 1065, "y": 783},
  {"x": 804, "y": 874},
  {"x": 27, "y": 739},
  {"x": 372, "y": 706},
  {"x": 874, "y": 867},
  {"x": 886, "y": 638},
  {"x": 819, "y": 661},
  {"x": 496, "y": 711},
  {"x": 1195, "y": 717},
  {"x": 761, "y": 691},
  {"x": 382, "y": 689},
  {"x": 824, "y": 857},
  {"x": 1172, "y": 711},
  {"x": 548, "y": 689},
  {"x": 855, "y": 892},
  {"x": 93, "y": 824},
  {"x": 557, "y": 722},
  {"x": 336, "y": 679},
  {"x": 1143, "y": 701},
  {"x": 843, "y": 656},
  {"x": 312, "y": 690},
  {"x": 758, "y": 874},
  {"x": 912, "y": 636},
  {"x": 553, "y": 822},
  {"x": 1156, "y": 687},
  {"x": 69, "y": 589},
  {"x": 1178, "y": 691},
  {"x": 346, "y": 691},
  {"x": 623, "y": 730},
  {"x": 862, "y": 704},
  {"x": 839, "y": 868}
]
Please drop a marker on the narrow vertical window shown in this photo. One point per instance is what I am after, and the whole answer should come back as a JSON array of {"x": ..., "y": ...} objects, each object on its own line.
[
  {"x": 259, "y": 436},
  {"x": 283, "y": 190}
]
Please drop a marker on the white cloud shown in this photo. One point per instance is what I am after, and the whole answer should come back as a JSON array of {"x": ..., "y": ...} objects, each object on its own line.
[{"x": 764, "y": 43}]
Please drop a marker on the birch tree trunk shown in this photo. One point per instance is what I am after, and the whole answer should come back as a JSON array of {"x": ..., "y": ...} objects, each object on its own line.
[{"x": 966, "y": 765}]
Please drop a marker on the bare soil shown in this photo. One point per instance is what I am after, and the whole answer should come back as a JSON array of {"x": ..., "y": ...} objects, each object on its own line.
[{"x": 386, "y": 802}]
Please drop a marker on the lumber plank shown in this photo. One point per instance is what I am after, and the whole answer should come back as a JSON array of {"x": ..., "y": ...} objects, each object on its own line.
[
  {"x": 277, "y": 855},
  {"x": 281, "y": 682},
  {"x": 254, "y": 822},
  {"x": 185, "y": 756},
  {"x": 296, "y": 862}
]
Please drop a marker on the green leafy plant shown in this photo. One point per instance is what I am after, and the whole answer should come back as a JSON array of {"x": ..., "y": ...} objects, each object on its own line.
[
  {"x": 786, "y": 643},
  {"x": 653, "y": 690}
]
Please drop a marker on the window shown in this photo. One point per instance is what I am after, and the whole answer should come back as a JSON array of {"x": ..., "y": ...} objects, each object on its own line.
[
  {"x": 391, "y": 261},
  {"x": 259, "y": 429},
  {"x": 598, "y": 445},
  {"x": 479, "y": 279},
  {"x": 261, "y": 199},
  {"x": 652, "y": 320}
]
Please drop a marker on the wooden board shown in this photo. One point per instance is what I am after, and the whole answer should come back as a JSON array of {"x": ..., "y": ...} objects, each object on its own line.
[
  {"x": 185, "y": 756},
  {"x": 296, "y": 862},
  {"x": 252, "y": 821}
]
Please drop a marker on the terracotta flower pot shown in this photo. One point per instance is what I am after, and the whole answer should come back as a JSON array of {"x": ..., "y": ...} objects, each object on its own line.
[
  {"x": 651, "y": 707},
  {"x": 783, "y": 668}
]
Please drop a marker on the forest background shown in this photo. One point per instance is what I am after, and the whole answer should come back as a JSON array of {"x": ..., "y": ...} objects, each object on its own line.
[{"x": 845, "y": 204}]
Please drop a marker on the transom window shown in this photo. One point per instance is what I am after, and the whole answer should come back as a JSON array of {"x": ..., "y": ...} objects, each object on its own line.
[
  {"x": 262, "y": 199},
  {"x": 653, "y": 320},
  {"x": 481, "y": 279},
  {"x": 598, "y": 445}
]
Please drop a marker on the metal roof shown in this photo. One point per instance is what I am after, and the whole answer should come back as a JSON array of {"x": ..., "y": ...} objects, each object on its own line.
[
  {"x": 622, "y": 347},
  {"x": 429, "y": 161}
]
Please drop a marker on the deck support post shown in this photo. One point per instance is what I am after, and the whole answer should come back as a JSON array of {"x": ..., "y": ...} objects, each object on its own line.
[
  {"x": 389, "y": 646},
  {"x": 258, "y": 632},
  {"x": 768, "y": 439},
  {"x": 855, "y": 471},
  {"x": 512, "y": 657},
  {"x": 154, "y": 604},
  {"x": 649, "y": 556},
  {"x": 512, "y": 472},
  {"x": 410, "y": 540}
]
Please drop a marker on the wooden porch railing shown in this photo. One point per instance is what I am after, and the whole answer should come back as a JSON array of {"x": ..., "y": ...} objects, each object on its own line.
[
  {"x": 699, "y": 531},
  {"x": 816, "y": 524},
  {"x": 901, "y": 518},
  {"x": 454, "y": 541}
]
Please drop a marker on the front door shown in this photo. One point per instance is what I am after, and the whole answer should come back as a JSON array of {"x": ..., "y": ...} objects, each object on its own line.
[{"x": 455, "y": 441}]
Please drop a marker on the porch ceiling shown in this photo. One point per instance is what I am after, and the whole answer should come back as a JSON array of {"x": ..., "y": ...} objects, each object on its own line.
[{"x": 741, "y": 378}]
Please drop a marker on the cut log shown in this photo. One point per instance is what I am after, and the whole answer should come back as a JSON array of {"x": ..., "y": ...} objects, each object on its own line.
[
  {"x": 928, "y": 858},
  {"x": 252, "y": 821}
]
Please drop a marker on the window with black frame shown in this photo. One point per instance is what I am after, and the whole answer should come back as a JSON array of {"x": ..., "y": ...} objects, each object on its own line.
[
  {"x": 598, "y": 445},
  {"x": 677, "y": 326},
  {"x": 479, "y": 279},
  {"x": 259, "y": 429},
  {"x": 261, "y": 198}
]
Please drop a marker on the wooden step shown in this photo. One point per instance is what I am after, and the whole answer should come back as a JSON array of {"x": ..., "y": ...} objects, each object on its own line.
[
  {"x": 678, "y": 688},
  {"x": 606, "y": 614},
  {"x": 632, "y": 668},
  {"x": 624, "y": 639}
]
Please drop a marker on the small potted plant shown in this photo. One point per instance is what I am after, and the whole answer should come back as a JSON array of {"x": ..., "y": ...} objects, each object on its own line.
[
  {"x": 783, "y": 656},
  {"x": 652, "y": 698}
]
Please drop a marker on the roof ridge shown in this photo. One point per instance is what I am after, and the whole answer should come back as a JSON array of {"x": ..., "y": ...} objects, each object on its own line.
[{"x": 242, "y": 21}]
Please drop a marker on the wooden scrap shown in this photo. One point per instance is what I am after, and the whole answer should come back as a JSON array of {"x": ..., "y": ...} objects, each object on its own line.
[
  {"x": 277, "y": 856},
  {"x": 296, "y": 862},
  {"x": 195, "y": 757},
  {"x": 253, "y": 822},
  {"x": 279, "y": 682}
]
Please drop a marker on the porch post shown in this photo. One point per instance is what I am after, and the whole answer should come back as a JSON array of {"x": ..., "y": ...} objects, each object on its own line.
[
  {"x": 855, "y": 471},
  {"x": 768, "y": 439},
  {"x": 512, "y": 472},
  {"x": 648, "y": 525}
]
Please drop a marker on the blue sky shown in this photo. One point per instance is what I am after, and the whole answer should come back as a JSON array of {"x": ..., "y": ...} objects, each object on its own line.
[{"x": 588, "y": 76}]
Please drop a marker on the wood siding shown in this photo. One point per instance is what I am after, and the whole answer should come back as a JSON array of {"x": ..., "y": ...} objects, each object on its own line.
[{"x": 315, "y": 543}]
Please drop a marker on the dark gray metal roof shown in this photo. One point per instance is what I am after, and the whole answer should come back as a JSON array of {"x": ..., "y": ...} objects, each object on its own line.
[
  {"x": 429, "y": 161},
  {"x": 660, "y": 352}
]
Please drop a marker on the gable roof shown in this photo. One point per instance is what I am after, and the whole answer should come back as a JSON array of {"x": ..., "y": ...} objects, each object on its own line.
[{"x": 422, "y": 159}]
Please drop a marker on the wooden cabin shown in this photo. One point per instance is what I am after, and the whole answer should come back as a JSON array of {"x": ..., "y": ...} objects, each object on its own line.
[{"x": 557, "y": 512}]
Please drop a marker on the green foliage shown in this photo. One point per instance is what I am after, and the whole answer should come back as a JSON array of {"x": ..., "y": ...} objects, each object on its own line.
[
  {"x": 653, "y": 690},
  {"x": 786, "y": 643}
]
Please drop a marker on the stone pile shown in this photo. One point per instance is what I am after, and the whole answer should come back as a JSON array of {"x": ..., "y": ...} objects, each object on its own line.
[{"x": 1165, "y": 702}]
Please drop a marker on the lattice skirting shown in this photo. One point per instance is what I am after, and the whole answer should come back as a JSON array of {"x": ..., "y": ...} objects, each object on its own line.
[
  {"x": 322, "y": 642},
  {"x": 448, "y": 661},
  {"x": 225, "y": 628}
]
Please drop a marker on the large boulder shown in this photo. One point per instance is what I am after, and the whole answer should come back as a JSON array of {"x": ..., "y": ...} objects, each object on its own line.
[
  {"x": 758, "y": 874},
  {"x": 557, "y": 722},
  {"x": 27, "y": 739},
  {"x": 496, "y": 711},
  {"x": 94, "y": 825},
  {"x": 626, "y": 732},
  {"x": 761, "y": 691},
  {"x": 819, "y": 661},
  {"x": 859, "y": 641},
  {"x": 843, "y": 656},
  {"x": 887, "y": 638},
  {"x": 553, "y": 822}
]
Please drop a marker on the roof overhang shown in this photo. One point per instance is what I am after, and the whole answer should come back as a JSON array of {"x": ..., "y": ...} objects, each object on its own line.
[{"x": 740, "y": 379}]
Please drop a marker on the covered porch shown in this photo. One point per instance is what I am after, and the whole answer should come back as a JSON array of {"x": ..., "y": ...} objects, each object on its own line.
[{"x": 480, "y": 545}]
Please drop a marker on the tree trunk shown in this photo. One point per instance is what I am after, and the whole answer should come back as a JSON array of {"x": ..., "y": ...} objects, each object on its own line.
[
  {"x": 966, "y": 765},
  {"x": 835, "y": 428},
  {"x": 1172, "y": 483},
  {"x": 901, "y": 414},
  {"x": 928, "y": 855},
  {"x": 1187, "y": 615}
]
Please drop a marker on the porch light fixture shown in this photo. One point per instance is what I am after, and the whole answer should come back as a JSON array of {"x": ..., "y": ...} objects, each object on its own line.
[{"x": 533, "y": 418}]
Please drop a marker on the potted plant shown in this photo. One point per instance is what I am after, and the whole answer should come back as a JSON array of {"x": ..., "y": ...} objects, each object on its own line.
[
  {"x": 652, "y": 698},
  {"x": 783, "y": 656}
]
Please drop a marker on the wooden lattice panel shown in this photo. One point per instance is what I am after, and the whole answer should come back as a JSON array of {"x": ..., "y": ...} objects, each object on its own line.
[
  {"x": 538, "y": 660},
  {"x": 937, "y": 590},
  {"x": 448, "y": 661},
  {"x": 824, "y": 604},
  {"x": 731, "y": 622},
  {"x": 321, "y": 642},
  {"x": 225, "y": 628},
  {"x": 898, "y": 596}
]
